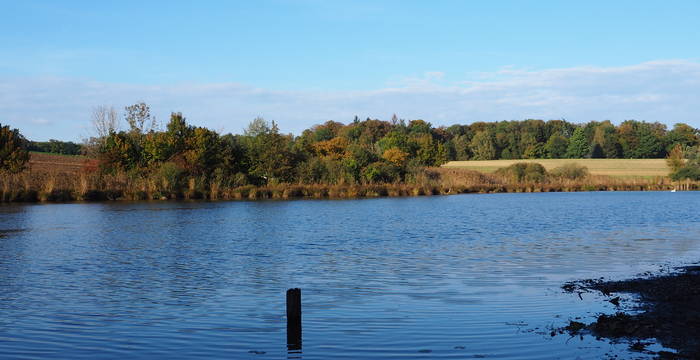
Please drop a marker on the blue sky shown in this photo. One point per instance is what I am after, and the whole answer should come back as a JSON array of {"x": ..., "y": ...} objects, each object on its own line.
[{"x": 304, "y": 62}]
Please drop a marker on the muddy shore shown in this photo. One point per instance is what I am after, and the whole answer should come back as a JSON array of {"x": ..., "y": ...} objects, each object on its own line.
[{"x": 662, "y": 307}]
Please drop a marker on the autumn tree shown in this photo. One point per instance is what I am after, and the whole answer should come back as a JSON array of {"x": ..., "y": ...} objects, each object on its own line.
[
  {"x": 675, "y": 159},
  {"x": 333, "y": 148},
  {"x": 684, "y": 135},
  {"x": 120, "y": 152},
  {"x": 138, "y": 116},
  {"x": 395, "y": 156},
  {"x": 203, "y": 149},
  {"x": 13, "y": 150}
]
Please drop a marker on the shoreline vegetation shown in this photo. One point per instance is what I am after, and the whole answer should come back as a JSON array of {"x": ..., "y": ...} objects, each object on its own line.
[
  {"x": 56, "y": 178},
  {"x": 145, "y": 160}
]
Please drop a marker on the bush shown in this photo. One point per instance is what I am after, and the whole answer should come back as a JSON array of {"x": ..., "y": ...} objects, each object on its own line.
[
  {"x": 686, "y": 172},
  {"x": 523, "y": 172},
  {"x": 13, "y": 150},
  {"x": 571, "y": 171},
  {"x": 381, "y": 172},
  {"x": 169, "y": 176}
]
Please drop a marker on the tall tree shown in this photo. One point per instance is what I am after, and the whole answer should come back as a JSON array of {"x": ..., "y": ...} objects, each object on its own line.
[
  {"x": 104, "y": 121},
  {"x": 605, "y": 141},
  {"x": 270, "y": 153},
  {"x": 482, "y": 146},
  {"x": 650, "y": 142},
  {"x": 138, "y": 116},
  {"x": 578, "y": 145},
  {"x": 682, "y": 134},
  {"x": 675, "y": 159}
]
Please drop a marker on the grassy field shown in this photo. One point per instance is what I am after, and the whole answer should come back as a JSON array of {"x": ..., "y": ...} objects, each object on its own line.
[{"x": 610, "y": 167}]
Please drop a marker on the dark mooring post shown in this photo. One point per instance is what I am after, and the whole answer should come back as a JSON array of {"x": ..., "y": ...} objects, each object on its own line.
[{"x": 294, "y": 319}]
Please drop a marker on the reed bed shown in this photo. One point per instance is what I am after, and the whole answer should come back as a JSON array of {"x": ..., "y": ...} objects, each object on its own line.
[{"x": 51, "y": 186}]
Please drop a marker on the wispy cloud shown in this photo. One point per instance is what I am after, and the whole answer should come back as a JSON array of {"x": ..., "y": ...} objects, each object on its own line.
[
  {"x": 40, "y": 121},
  {"x": 665, "y": 91}
]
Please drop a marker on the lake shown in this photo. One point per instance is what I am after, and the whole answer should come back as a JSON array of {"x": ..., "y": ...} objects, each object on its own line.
[{"x": 445, "y": 277}]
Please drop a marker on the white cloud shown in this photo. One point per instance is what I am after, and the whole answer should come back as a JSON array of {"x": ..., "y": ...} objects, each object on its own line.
[
  {"x": 40, "y": 121},
  {"x": 665, "y": 91}
]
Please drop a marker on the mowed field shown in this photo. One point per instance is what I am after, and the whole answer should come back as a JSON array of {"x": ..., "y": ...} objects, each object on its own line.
[
  {"x": 609, "y": 167},
  {"x": 55, "y": 163}
]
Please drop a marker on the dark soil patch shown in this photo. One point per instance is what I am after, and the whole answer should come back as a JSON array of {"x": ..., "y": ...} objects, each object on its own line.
[{"x": 668, "y": 311}]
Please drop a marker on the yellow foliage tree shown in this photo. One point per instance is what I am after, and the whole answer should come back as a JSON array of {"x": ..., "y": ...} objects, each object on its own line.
[
  {"x": 395, "y": 156},
  {"x": 333, "y": 148}
]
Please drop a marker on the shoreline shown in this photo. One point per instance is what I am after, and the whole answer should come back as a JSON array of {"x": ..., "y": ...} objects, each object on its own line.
[
  {"x": 299, "y": 192},
  {"x": 665, "y": 307}
]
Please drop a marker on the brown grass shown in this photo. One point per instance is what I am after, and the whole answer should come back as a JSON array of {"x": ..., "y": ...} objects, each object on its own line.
[
  {"x": 74, "y": 178},
  {"x": 42, "y": 162},
  {"x": 608, "y": 167}
]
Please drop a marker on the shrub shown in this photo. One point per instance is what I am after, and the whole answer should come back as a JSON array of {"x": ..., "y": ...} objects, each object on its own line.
[
  {"x": 169, "y": 175},
  {"x": 381, "y": 172},
  {"x": 571, "y": 171},
  {"x": 13, "y": 150},
  {"x": 523, "y": 172},
  {"x": 686, "y": 172}
]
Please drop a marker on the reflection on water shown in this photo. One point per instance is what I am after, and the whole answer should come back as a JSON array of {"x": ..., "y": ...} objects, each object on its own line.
[{"x": 434, "y": 277}]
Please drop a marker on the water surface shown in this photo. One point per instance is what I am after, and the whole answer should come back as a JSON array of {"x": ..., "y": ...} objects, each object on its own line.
[{"x": 447, "y": 277}]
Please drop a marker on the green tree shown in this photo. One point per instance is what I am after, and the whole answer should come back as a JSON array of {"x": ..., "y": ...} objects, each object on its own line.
[
  {"x": 650, "y": 143},
  {"x": 578, "y": 145},
  {"x": 427, "y": 152},
  {"x": 605, "y": 141},
  {"x": 157, "y": 148},
  {"x": 462, "y": 147},
  {"x": 381, "y": 172},
  {"x": 419, "y": 127},
  {"x": 203, "y": 151},
  {"x": 357, "y": 157},
  {"x": 13, "y": 150},
  {"x": 482, "y": 146},
  {"x": 396, "y": 139},
  {"x": 233, "y": 159},
  {"x": 534, "y": 151},
  {"x": 556, "y": 146},
  {"x": 120, "y": 151},
  {"x": 629, "y": 139},
  {"x": 507, "y": 140},
  {"x": 682, "y": 134},
  {"x": 177, "y": 132},
  {"x": 269, "y": 153},
  {"x": 691, "y": 166}
]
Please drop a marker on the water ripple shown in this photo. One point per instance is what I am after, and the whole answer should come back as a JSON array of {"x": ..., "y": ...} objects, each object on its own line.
[{"x": 474, "y": 276}]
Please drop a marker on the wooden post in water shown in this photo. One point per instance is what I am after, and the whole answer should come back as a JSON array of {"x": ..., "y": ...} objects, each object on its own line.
[{"x": 294, "y": 319}]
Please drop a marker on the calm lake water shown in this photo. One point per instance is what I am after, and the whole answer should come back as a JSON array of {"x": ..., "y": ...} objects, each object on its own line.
[{"x": 447, "y": 277}]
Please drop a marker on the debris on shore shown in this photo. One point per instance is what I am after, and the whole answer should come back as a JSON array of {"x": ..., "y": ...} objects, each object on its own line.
[{"x": 666, "y": 308}]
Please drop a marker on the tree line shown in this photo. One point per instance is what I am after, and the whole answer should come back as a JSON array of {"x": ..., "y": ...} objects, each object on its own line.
[
  {"x": 558, "y": 139},
  {"x": 56, "y": 147},
  {"x": 360, "y": 152}
]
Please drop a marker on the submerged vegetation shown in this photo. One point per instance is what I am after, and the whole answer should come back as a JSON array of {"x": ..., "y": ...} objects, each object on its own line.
[{"x": 363, "y": 158}]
